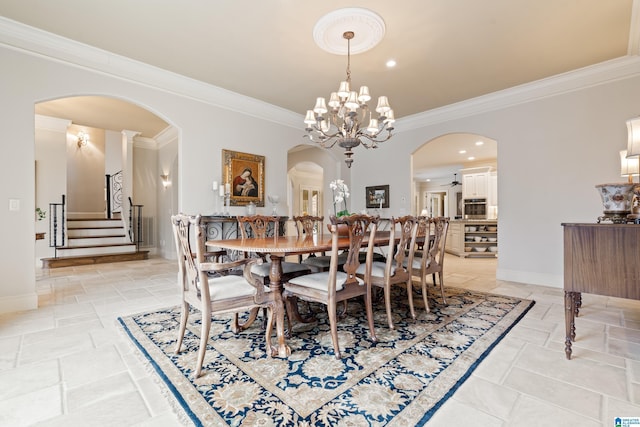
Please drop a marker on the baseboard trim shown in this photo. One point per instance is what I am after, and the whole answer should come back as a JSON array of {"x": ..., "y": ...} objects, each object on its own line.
[
  {"x": 551, "y": 280},
  {"x": 18, "y": 303}
]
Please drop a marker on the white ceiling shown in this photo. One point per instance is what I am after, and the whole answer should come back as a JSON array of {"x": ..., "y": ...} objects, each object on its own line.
[{"x": 446, "y": 51}]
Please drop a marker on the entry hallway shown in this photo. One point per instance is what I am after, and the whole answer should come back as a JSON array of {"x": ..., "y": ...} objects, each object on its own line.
[{"x": 68, "y": 364}]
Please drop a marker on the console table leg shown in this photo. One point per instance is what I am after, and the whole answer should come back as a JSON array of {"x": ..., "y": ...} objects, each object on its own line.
[{"x": 569, "y": 319}]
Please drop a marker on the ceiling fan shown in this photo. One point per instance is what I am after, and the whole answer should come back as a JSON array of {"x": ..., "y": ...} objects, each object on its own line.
[{"x": 455, "y": 181}]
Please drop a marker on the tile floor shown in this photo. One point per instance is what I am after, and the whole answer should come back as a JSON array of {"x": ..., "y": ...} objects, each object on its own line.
[{"x": 67, "y": 363}]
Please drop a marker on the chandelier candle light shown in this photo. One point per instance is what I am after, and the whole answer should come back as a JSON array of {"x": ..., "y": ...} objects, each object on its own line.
[{"x": 341, "y": 120}]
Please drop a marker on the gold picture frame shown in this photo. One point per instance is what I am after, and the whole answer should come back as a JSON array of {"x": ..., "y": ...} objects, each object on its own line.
[{"x": 245, "y": 175}]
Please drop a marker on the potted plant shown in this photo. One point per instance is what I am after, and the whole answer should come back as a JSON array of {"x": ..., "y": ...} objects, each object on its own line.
[
  {"x": 340, "y": 195},
  {"x": 40, "y": 214}
]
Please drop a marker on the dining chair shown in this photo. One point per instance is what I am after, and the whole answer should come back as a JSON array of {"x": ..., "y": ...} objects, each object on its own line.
[
  {"x": 394, "y": 271},
  {"x": 333, "y": 286},
  {"x": 429, "y": 260},
  {"x": 261, "y": 227},
  {"x": 305, "y": 226},
  {"x": 213, "y": 294}
]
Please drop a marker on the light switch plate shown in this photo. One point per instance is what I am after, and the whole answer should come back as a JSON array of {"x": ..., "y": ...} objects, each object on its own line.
[{"x": 14, "y": 204}]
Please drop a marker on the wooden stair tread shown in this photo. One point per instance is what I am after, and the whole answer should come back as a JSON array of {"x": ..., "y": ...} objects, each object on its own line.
[
  {"x": 94, "y": 228},
  {"x": 96, "y": 246},
  {"x": 96, "y": 237},
  {"x": 94, "y": 219},
  {"x": 70, "y": 261}
]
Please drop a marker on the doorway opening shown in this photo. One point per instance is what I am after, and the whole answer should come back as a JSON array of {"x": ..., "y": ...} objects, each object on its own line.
[{"x": 80, "y": 141}]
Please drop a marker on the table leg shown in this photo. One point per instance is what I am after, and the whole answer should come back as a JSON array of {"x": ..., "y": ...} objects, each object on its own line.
[
  {"x": 275, "y": 277},
  {"x": 569, "y": 320}
]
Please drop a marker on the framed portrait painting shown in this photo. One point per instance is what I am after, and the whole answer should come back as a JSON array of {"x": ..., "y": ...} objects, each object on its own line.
[
  {"x": 245, "y": 175},
  {"x": 377, "y": 196}
]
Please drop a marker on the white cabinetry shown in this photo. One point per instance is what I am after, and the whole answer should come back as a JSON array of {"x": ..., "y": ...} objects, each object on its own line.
[
  {"x": 455, "y": 238},
  {"x": 475, "y": 185},
  {"x": 492, "y": 199}
]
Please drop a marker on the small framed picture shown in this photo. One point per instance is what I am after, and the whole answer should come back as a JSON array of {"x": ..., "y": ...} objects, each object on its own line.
[
  {"x": 244, "y": 174},
  {"x": 377, "y": 196}
]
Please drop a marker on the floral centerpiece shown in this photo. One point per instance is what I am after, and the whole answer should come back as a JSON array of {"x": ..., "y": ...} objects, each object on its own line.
[{"x": 340, "y": 195}]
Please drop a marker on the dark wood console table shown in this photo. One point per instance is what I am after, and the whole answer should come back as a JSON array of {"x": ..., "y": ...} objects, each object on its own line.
[{"x": 599, "y": 259}]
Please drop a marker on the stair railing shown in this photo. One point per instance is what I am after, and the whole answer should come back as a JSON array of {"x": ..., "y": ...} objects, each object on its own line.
[
  {"x": 57, "y": 225},
  {"x": 114, "y": 193},
  {"x": 135, "y": 217}
]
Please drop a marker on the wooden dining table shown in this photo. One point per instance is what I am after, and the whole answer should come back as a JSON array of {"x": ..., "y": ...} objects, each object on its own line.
[{"x": 278, "y": 247}]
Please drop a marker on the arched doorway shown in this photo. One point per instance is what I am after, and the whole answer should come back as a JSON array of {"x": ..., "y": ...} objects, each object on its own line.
[
  {"x": 448, "y": 173},
  {"x": 439, "y": 166},
  {"x": 310, "y": 169},
  {"x": 80, "y": 139}
]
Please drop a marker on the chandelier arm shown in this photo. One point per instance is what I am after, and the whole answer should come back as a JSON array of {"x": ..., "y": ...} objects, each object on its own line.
[
  {"x": 326, "y": 135},
  {"x": 324, "y": 143},
  {"x": 374, "y": 138}
]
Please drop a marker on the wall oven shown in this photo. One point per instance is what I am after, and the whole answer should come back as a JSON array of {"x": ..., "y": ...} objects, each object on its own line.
[{"x": 475, "y": 208}]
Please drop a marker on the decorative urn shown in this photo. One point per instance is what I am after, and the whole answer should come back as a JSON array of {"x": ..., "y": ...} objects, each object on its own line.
[{"x": 617, "y": 201}]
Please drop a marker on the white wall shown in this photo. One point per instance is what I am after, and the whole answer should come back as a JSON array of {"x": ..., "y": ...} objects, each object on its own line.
[
  {"x": 551, "y": 153},
  {"x": 168, "y": 197},
  {"x": 85, "y": 172},
  {"x": 51, "y": 171},
  {"x": 552, "y": 150},
  {"x": 205, "y": 131}
]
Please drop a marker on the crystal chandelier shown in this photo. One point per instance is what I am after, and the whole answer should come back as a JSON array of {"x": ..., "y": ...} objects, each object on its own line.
[{"x": 342, "y": 123}]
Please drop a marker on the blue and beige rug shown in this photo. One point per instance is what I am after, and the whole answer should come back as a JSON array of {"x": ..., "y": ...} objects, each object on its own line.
[{"x": 400, "y": 380}]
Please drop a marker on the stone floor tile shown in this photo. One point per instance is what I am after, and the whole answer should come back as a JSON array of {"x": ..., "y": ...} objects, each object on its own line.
[
  {"x": 493, "y": 398},
  {"x": 568, "y": 396},
  {"x": 93, "y": 392},
  {"x": 525, "y": 381},
  {"x": 28, "y": 409},
  {"x": 531, "y": 412},
  {"x": 29, "y": 378},
  {"x": 91, "y": 365}
]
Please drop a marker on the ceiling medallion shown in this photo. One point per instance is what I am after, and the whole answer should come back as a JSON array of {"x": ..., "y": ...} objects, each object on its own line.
[{"x": 329, "y": 30}]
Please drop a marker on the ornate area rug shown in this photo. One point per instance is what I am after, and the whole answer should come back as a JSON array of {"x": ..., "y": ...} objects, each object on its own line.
[{"x": 400, "y": 380}]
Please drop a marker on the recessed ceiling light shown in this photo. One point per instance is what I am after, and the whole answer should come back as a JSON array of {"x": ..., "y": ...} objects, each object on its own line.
[
  {"x": 428, "y": 179},
  {"x": 471, "y": 158},
  {"x": 462, "y": 151},
  {"x": 391, "y": 63},
  {"x": 479, "y": 143}
]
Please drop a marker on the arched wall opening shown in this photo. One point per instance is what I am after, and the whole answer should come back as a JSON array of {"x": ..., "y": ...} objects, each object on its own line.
[
  {"x": 121, "y": 136},
  {"x": 438, "y": 168}
]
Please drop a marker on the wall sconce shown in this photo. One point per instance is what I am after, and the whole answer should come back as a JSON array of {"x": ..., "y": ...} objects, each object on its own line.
[
  {"x": 83, "y": 138},
  {"x": 165, "y": 180}
]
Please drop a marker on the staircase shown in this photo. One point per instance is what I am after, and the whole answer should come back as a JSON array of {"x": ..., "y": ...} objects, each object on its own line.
[{"x": 94, "y": 241}]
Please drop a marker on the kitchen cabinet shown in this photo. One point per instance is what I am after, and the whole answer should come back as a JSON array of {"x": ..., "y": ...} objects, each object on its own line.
[
  {"x": 492, "y": 199},
  {"x": 475, "y": 185},
  {"x": 455, "y": 238},
  {"x": 472, "y": 238}
]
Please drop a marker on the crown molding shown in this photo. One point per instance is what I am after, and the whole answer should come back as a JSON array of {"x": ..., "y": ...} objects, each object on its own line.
[
  {"x": 37, "y": 42},
  {"x": 605, "y": 72},
  {"x": 51, "y": 123},
  {"x": 145, "y": 143},
  {"x": 168, "y": 135}
]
